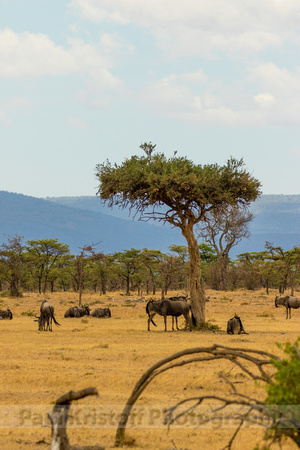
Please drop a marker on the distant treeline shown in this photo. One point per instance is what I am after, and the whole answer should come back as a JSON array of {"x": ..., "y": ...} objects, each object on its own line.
[{"x": 47, "y": 265}]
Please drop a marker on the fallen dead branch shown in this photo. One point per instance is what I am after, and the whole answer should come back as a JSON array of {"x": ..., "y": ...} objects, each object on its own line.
[{"x": 251, "y": 362}]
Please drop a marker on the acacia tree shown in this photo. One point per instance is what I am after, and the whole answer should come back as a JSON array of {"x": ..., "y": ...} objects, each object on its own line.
[
  {"x": 290, "y": 259},
  {"x": 223, "y": 228},
  {"x": 11, "y": 258},
  {"x": 128, "y": 263},
  {"x": 80, "y": 263},
  {"x": 151, "y": 259},
  {"x": 42, "y": 255},
  {"x": 146, "y": 183},
  {"x": 183, "y": 255}
]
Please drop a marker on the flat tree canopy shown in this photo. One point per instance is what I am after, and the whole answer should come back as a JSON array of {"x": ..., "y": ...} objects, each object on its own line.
[{"x": 189, "y": 191}]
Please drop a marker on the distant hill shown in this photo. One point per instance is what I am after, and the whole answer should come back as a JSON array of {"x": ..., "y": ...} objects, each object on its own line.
[
  {"x": 36, "y": 218},
  {"x": 79, "y": 221},
  {"x": 277, "y": 220}
]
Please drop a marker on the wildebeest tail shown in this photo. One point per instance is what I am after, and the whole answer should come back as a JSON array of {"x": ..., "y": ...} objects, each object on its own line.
[
  {"x": 152, "y": 321},
  {"x": 148, "y": 312},
  {"x": 54, "y": 320}
]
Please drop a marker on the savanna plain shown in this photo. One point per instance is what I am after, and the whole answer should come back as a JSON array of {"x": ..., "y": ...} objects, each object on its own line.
[{"x": 111, "y": 354}]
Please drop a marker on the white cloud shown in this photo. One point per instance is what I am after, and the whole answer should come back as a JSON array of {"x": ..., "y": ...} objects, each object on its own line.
[
  {"x": 32, "y": 55},
  {"x": 264, "y": 100},
  {"x": 213, "y": 102},
  {"x": 35, "y": 55},
  {"x": 200, "y": 27}
]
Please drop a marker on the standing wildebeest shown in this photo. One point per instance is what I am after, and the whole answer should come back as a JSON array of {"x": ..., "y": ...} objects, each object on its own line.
[
  {"x": 168, "y": 308},
  {"x": 235, "y": 324},
  {"x": 6, "y": 314},
  {"x": 78, "y": 311},
  {"x": 289, "y": 302},
  {"x": 46, "y": 316},
  {"x": 101, "y": 312}
]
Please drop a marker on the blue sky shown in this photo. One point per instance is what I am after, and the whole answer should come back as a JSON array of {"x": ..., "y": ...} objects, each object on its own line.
[{"x": 86, "y": 80}]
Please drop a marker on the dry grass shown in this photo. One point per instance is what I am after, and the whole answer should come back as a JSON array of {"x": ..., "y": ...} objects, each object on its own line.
[{"x": 111, "y": 354}]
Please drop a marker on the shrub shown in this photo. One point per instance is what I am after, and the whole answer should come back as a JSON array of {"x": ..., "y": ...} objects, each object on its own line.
[{"x": 284, "y": 395}]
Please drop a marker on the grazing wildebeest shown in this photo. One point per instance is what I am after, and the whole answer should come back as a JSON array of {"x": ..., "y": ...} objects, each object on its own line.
[
  {"x": 235, "y": 324},
  {"x": 101, "y": 312},
  {"x": 78, "y": 311},
  {"x": 289, "y": 302},
  {"x": 6, "y": 314},
  {"x": 46, "y": 316},
  {"x": 168, "y": 308}
]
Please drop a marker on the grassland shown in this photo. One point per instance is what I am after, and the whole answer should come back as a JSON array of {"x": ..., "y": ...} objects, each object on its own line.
[{"x": 111, "y": 354}]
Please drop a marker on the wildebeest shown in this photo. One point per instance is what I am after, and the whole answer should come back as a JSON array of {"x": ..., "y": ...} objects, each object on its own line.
[
  {"x": 289, "y": 302},
  {"x": 6, "y": 314},
  {"x": 168, "y": 308},
  {"x": 78, "y": 311},
  {"x": 46, "y": 316},
  {"x": 72, "y": 312},
  {"x": 178, "y": 298},
  {"x": 235, "y": 325},
  {"x": 184, "y": 298},
  {"x": 101, "y": 312}
]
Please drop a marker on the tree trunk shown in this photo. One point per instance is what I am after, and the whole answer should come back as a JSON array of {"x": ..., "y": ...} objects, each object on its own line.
[
  {"x": 103, "y": 285},
  {"x": 59, "y": 418},
  {"x": 45, "y": 284},
  {"x": 196, "y": 284},
  {"x": 127, "y": 284},
  {"x": 223, "y": 273},
  {"x": 40, "y": 285}
]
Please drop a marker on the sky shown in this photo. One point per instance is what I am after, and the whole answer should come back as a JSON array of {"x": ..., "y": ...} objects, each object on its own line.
[{"x": 83, "y": 81}]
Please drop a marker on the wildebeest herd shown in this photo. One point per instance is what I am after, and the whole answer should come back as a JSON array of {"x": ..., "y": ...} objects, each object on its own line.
[
  {"x": 173, "y": 306},
  {"x": 78, "y": 311}
]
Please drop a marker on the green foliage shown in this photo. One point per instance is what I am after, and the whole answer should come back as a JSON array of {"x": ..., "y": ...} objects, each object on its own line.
[
  {"x": 284, "y": 396},
  {"x": 264, "y": 315},
  {"x": 207, "y": 252},
  {"x": 183, "y": 186},
  {"x": 286, "y": 388},
  {"x": 207, "y": 326}
]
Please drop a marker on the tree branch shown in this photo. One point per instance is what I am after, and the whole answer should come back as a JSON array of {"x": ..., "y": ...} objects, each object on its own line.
[{"x": 210, "y": 353}]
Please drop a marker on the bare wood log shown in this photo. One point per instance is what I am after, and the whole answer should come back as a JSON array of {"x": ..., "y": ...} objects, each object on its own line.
[{"x": 59, "y": 418}]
